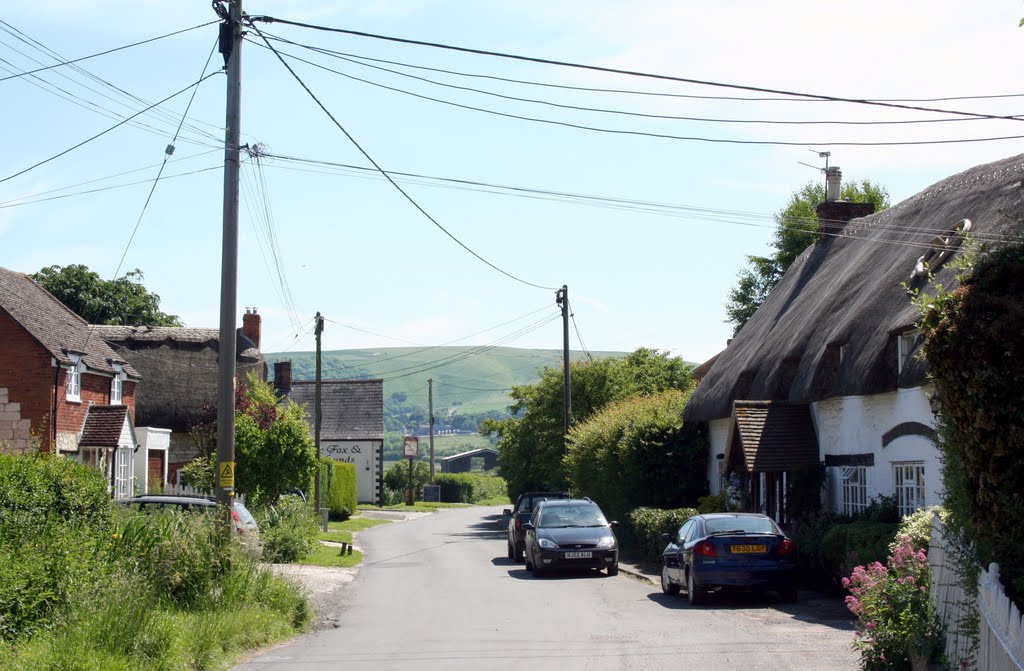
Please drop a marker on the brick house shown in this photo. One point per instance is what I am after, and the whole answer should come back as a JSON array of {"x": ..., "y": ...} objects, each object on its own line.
[{"x": 60, "y": 383}]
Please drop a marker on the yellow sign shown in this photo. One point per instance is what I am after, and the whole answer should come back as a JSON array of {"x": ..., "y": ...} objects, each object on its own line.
[{"x": 227, "y": 474}]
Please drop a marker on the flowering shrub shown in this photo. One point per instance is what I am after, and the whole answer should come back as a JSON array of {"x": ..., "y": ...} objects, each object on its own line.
[{"x": 896, "y": 619}]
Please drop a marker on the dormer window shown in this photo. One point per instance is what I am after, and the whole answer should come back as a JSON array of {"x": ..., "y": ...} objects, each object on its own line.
[
  {"x": 905, "y": 343},
  {"x": 73, "y": 388},
  {"x": 117, "y": 385}
]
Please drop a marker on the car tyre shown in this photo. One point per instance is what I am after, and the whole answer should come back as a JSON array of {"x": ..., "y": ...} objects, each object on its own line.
[
  {"x": 518, "y": 555},
  {"x": 537, "y": 570},
  {"x": 667, "y": 586},
  {"x": 511, "y": 552},
  {"x": 613, "y": 570},
  {"x": 696, "y": 594},
  {"x": 529, "y": 564}
]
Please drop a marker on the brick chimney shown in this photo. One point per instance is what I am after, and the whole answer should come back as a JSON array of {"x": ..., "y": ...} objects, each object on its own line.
[
  {"x": 283, "y": 377},
  {"x": 252, "y": 326},
  {"x": 834, "y": 213}
]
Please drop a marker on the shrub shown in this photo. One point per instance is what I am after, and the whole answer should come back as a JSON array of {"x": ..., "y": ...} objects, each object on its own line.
[
  {"x": 469, "y": 487},
  {"x": 289, "y": 530},
  {"x": 861, "y": 542},
  {"x": 646, "y": 525},
  {"x": 35, "y": 489},
  {"x": 343, "y": 495},
  {"x": 198, "y": 474},
  {"x": 896, "y": 618},
  {"x": 918, "y": 527},
  {"x": 712, "y": 503},
  {"x": 397, "y": 477}
]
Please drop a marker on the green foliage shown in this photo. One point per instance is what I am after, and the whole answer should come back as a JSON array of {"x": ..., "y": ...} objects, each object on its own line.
[
  {"x": 804, "y": 489},
  {"x": 712, "y": 503},
  {"x": 288, "y": 530},
  {"x": 975, "y": 355},
  {"x": 796, "y": 229},
  {"x": 646, "y": 525},
  {"x": 469, "y": 487},
  {"x": 344, "y": 492},
  {"x": 123, "y": 301},
  {"x": 530, "y": 444},
  {"x": 396, "y": 478},
  {"x": 638, "y": 452},
  {"x": 854, "y": 543},
  {"x": 896, "y": 617},
  {"x": 274, "y": 452},
  {"x": 198, "y": 473},
  {"x": 918, "y": 528}
]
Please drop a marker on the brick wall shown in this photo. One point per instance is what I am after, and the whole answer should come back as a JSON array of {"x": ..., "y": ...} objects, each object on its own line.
[{"x": 26, "y": 372}]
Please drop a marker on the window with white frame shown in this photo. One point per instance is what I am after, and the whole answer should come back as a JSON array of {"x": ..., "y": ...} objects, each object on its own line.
[
  {"x": 117, "y": 386},
  {"x": 908, "y": 479},
  {"x": 123, "y": 473},
  {"x": 855, "y": 489},
  {"x": 904, "y": 346},
  {"x": 73, "y": 387}
]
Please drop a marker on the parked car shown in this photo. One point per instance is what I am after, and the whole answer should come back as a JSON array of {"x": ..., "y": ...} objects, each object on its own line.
[
  {"x": 521, "y": 514},
  {"x": 729, "y": 550},
  {"x": 570, "y": 534},
  {"x": 245, "y": 526}
]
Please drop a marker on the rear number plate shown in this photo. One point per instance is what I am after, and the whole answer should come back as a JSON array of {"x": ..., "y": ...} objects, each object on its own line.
[
  {"x": 747, "y": 549},
  {"x": 579, "y": 555}
]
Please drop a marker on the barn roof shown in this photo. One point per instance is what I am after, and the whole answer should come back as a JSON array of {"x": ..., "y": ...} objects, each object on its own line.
[
  {"x": 349, "y": 409},
  {"x": 829, "y": 328}
]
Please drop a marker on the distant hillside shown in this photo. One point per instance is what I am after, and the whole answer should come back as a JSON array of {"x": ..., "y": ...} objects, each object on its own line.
[{"x": 464, "y": 378}]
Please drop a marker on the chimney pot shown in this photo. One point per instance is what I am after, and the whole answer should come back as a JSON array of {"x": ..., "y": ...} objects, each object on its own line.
[
  {"x": 252, "y": 327},
  {"x": 833, "y": 183}
]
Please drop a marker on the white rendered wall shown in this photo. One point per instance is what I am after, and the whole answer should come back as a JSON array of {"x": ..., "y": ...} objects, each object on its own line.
[
  {"x": 150, "y": 440},
  {"x": 718, "y": 434}
]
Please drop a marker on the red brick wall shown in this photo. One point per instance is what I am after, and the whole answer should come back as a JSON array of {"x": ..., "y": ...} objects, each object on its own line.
[{"x": 27, "y": 373}]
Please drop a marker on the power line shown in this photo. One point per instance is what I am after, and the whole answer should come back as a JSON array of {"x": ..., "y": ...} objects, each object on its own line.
[
  {"x": 572, "y": 315},
  {"x": 103, "y": 53},
  {"x": 616, "y": 71},
  {"x": 102, "y": 133},
  {"x": 388, "y": 177}
]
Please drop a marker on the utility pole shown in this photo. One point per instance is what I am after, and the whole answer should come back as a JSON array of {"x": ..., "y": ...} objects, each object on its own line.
[
  {"x": 430, "y": 403},
  {"x": 231, "y": 48},
  {"x": 319, "y": 328},
  {"x": 562, "y": 299}
]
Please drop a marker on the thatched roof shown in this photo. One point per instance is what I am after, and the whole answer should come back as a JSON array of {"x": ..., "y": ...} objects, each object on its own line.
[
  {"x": 55, "y": 326},
  {"x": 180, "y": 369},
  {"x": 349, "y": 409},
  {"x": 829, "y": 328}
]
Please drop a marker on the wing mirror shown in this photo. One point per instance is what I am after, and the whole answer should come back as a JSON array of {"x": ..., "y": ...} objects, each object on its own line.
[
  {"x": 507, "y": 512},
  {"x": 667, "y": 538},
  {"x": 527, "y": 526}
]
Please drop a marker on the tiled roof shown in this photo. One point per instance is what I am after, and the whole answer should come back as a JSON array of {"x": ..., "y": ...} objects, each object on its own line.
[
  {"x": 773, "y": 436},
  {"x": 350, "y": 409},
  {"x": 54, "y": 326},
  {"x": 103, "y": 425}
]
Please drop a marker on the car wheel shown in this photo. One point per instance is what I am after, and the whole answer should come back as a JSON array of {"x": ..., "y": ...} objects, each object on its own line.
[
  {"x": 667, "y": 586},
  {"x": 613, "y": 570},
  {"x": 696, "y": 594},
  {"x": 537, "y": 570},
  {"x": 788, "y": 594},
  {"x": 517, "y": 554},
  {"x": 511, "y": 553},
  {"x": 529, "y": 564}
]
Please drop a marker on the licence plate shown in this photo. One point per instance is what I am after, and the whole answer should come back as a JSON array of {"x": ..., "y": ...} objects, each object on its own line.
[
  {"x": 747, "y": 549},
  {"x": 579, "y": 555}
]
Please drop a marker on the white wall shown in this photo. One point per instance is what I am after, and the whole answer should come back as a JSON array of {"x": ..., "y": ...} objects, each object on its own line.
[
  {"x": 151, "y": 440},
  {"x": 718, "y": 434},
  {"x": 362, "y": 453},
  {"x": 855, "y": 425}
]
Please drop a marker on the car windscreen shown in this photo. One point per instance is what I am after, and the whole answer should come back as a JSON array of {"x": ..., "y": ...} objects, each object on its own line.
[
  {"x": 743, "y": 525},
  {"x": 572, "y": 516}
]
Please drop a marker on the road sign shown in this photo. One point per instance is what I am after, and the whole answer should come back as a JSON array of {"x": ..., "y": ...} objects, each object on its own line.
[{"x": 412, "y": 446}]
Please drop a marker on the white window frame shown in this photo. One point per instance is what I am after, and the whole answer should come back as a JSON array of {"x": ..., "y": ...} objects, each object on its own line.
[
  {"x": 73, "y": 385},
  {"x": 854, "y": 489},
  {"x": 909, "y": 486},
  {"x": 117, "y": 386},
  {"x": 904, "y": 346},
  {"x": 123, "y": 472}
]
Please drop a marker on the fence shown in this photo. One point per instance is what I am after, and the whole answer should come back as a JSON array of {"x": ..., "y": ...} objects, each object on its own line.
[
  {"x": 988, "y": 612},
  {"x": 187, "y": 490}
]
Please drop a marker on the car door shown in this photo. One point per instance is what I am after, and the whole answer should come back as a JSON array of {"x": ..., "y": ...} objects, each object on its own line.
[
  {"x": 674, "y": 553},
  {"x": 690, "y": 538}
]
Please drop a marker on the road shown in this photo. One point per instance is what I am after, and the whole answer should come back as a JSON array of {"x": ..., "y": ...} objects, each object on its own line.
[{"x": 438, "y": 593}]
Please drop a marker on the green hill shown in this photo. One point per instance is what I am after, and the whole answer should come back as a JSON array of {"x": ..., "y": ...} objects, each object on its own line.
[{"x": 465, "y": 379}]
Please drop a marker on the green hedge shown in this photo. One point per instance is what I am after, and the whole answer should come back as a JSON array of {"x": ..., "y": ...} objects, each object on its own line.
[
  {"x": 859, "y": 543},
  {"x": 469, "y": 487},
  {"x": 646, "y": 525},
  {"x": 343, "y": 496}
]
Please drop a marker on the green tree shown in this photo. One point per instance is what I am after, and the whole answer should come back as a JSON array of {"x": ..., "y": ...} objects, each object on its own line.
[
  {"x": 122, "y": 301},
  {"x": 796, "y": 229},
  {"x": 530, "y": 443}
]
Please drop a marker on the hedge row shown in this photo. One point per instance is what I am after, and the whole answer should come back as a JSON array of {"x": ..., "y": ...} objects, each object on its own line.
[
  {"x": 469, "y": 487},
  {"x": 646, "y": 525},
  {"x": 343, "y": 495}
]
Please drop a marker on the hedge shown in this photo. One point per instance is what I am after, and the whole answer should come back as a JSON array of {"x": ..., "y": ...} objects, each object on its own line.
[
  {"x": 469, "y": 487},
  {"x": 859, "y": 543},
  {"x": 646, "y": 525},
  {"x": 343, "y": 495}
]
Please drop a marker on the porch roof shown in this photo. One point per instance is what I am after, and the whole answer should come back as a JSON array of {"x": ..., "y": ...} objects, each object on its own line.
[
  {"x": 772, "y": 436},
  {"x": 103, "y": 426}
]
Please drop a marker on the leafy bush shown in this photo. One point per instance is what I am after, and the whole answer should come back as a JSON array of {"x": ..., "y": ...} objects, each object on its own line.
[
  {"x": 396, "y": 478},
  {"x": 646, "y": 525},
  {"x": 469, "y": 487},
  {"x": 712, "y": 503},
  {"x": 896, "y": 617},
  {"x": 854, "y": 543},
  {"x": 198, "y": 474},
  {"x": 918, "y": 527},
  {"x": 343, "y": 495},
  {"x": 37, "y": 488},
  {"x": 638, "y": 452},
  {"x": 288, "y": 531}
]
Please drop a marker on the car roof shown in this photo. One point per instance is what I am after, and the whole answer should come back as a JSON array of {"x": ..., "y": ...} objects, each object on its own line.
[
  {"x": 713, "y": 516},
  {"x": 566, "y": 502},
  {"x": 170, "y": 498}
]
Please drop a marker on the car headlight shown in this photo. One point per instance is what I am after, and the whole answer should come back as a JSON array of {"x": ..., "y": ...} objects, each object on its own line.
[
  {"x": 606, "y": 542},
  {"x": 547, "y": 544}
]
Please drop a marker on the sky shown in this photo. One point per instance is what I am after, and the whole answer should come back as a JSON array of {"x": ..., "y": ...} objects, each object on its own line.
[{"x": 647, "y": 232}]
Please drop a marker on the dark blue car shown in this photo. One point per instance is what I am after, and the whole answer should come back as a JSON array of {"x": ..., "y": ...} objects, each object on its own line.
[{"x": 729, "y": 550}]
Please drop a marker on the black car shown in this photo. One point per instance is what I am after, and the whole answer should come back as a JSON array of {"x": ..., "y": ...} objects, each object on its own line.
[
  {"x": 521, "y": 514},
  {"x": 570, "y": 534},
  {"x": 729, "y": 550}
]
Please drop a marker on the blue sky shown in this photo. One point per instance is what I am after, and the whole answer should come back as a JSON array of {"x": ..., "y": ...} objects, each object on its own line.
[{"x": 344, "y": 242}]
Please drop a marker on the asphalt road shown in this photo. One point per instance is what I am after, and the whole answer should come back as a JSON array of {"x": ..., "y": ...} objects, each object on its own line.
[{"x": 438, "y": 592}]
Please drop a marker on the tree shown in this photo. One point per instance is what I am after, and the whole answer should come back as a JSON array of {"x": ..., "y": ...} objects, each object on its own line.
[
  {"x": 530, "y": 443},
  {"x": 122, "y": 301},
  {"x": 796, "y": 229}
]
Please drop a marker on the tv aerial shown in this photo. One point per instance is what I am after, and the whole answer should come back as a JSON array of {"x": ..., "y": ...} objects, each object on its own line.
[{"x": 821, "y": 154}]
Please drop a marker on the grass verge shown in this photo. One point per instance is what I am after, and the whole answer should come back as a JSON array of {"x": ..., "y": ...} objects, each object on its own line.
[
  {"x": 326, "y": 555},
  {"x": 419, "y": 507}
]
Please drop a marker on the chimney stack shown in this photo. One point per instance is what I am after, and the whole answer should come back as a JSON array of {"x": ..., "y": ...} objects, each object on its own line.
[
  {"x": 252, "y": 326},
  {"x": 834, "y": 213},
  {"x": 283, "y": 377}
]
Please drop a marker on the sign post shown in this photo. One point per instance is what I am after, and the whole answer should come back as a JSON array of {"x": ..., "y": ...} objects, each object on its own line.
[{"x": 412, "y": 446}]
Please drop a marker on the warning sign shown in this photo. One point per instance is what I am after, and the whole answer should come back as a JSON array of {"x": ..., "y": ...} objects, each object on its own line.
[{"x": 226, "y": 473}]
